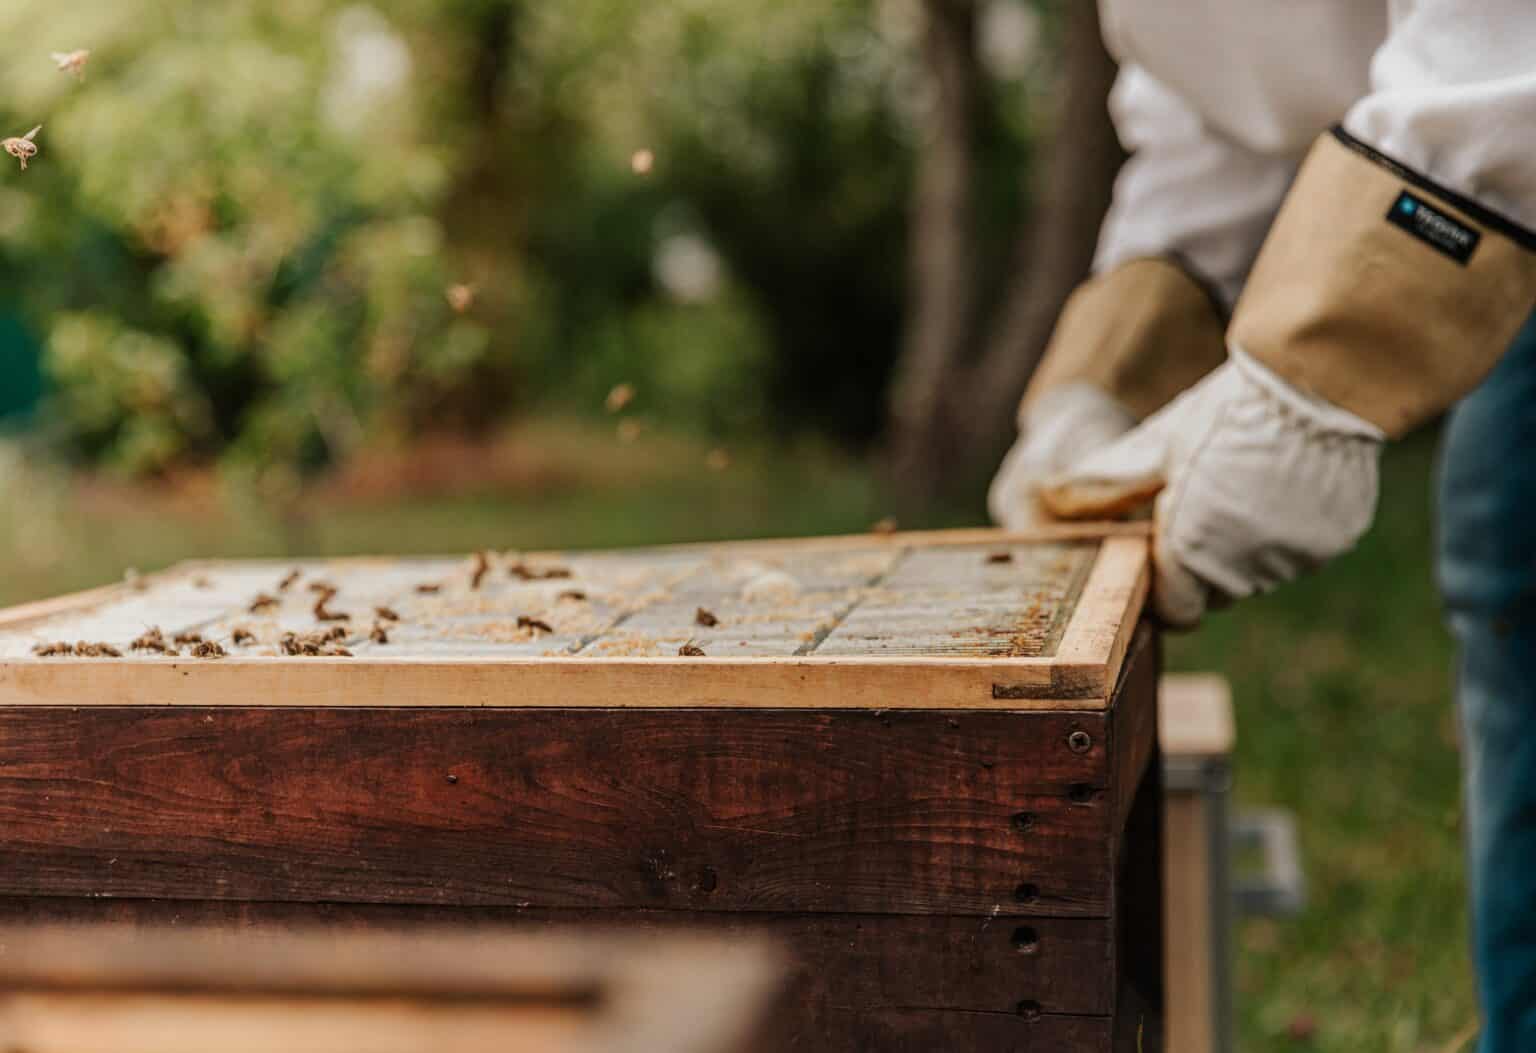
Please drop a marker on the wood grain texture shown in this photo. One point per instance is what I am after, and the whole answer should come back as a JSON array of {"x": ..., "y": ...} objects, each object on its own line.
[
  {"x": 968, "y": 965},
  {"x": 641, "y": 683},
  {"x": 1138, "y": 797},
  {"x": 889, "y": 812}
]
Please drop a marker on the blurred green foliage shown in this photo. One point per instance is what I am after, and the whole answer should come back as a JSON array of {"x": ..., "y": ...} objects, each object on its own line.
[{"x": 235, "y": 241}]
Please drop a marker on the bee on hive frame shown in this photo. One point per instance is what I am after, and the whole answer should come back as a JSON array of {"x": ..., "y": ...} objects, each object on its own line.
[{"x": 22, "y": 147}]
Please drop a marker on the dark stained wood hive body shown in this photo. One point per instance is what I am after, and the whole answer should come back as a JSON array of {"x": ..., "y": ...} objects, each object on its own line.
[{"x": 926, "y": 763}]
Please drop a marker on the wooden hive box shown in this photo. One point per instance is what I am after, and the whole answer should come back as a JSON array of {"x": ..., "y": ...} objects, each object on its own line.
[
  {"x": 926, "y": 763},
  {"x": 121, "y": 989}
]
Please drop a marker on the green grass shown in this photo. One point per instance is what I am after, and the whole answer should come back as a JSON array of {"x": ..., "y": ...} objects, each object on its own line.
[
  {"x": 1342, "y": 685},
  {"x": 1343, "y": 691}
]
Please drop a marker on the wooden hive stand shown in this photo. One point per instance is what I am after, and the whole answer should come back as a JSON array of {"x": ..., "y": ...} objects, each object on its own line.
[{"x": 927, "y": 764}]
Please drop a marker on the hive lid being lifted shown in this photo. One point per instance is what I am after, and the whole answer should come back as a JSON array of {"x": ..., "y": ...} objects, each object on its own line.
[{"x": 969, "y": 619}]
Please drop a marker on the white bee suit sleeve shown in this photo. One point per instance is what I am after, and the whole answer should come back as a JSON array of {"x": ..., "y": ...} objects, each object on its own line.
[
  {"x": 1218, "y": 102},
  {"x": 1396, "y": 274}
]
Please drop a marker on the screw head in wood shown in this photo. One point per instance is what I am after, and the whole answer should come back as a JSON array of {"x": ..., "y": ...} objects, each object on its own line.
[{"x": 1079, "y": 742}]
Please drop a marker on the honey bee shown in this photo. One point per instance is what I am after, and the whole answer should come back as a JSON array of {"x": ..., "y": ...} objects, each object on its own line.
[
  {"x": 209, "y": 649},
  {"x": 705, "y": 618},
  {"x": 22, "y": 147},
  {"x": 54, "y": 650},
  {"x": 152, "y": 639},
  {"x": 689, "y": 650},
  {"x": 523, "y": 572},
  {"x": 263, "y": 602},
  {"x": 428, "y": 589},
  {"x": 96, "y": 650},
  {"x": 621, "y": 395},
  {"x": 461, "y": 297},
  {"x": 242, "y": 636},
  {"x": 482, "y": 568},
  {"x": 325, "y": 614},
  {"x": 378, "y": 635},
  {"x": 1000, "y": 557},
  {"x": 188, "y": 637},
  {"x": 574, "y": 595},
  {"x": 72, "y": 62},
  {"x": 537, "y": 625},
  {"x": 288, "y": 580},
  {"x": 386, "y": 614}
]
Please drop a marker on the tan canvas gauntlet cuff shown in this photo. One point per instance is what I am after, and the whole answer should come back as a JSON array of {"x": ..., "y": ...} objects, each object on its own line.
[
  {"x": 1141, "y": 333},
  {"x": 1381, "y": 292}
]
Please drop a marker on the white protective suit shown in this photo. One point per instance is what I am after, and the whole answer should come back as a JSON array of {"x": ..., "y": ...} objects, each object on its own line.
[{"x": 1400, "y": 138}]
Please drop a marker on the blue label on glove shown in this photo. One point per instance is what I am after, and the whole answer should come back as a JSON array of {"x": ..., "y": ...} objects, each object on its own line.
[{"x": 1441, "y": 232}]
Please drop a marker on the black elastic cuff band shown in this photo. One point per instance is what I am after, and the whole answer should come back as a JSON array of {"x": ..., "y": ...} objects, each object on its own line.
[{"x": 1518, "y": 233}]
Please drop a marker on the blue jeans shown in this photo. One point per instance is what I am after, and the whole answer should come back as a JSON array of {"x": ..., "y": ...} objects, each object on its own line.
[{"x": 1487, "y": 573}]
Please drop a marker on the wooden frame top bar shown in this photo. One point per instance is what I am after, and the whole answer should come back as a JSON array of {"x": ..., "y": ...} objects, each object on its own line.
[{"x": 1079, "y": 675}]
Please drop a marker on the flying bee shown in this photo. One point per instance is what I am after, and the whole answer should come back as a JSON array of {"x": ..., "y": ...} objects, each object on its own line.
[
  {"x": 22, "y": 147},
  {"x": 72, "y": 62},
  {"x": 461, "y": 297}
]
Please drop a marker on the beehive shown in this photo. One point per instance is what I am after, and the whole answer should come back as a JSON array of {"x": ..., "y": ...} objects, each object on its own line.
[{"x": 921, "y": 760}]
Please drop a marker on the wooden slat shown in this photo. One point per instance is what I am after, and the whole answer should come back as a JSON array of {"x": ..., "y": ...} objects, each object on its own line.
[
  {"x": 869, "y": 961},
  {"x": 1091, "y": 652},
  {"x": 642, "y": 683},
  {"x": 889, "y": 811},
  {"x": 1195, "y": 716},
  {"x": 115, "y": 989},
  {"x": 919, "y": 1029}
]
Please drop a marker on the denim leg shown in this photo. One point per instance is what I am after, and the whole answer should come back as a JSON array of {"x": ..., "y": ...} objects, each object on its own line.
[{"x": 1487, "y": 575}]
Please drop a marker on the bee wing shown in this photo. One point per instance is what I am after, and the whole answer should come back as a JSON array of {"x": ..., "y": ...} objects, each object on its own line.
[{"x": 32, "y": 134}]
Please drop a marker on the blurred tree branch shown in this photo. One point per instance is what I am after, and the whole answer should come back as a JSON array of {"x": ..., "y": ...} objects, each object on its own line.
[{"x": 962, "y": 370}]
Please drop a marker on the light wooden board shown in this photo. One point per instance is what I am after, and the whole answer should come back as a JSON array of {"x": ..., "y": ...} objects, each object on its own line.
[
  {"x": 953, "y": 619},
  {"x": 122, "y": 989}
]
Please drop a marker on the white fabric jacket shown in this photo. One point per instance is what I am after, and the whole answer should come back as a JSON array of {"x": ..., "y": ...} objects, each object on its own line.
[{"x": 1219, "y": 100}]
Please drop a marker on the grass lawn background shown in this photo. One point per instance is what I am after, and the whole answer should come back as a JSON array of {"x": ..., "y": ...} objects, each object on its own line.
[{"x": 1342, "y": 681}]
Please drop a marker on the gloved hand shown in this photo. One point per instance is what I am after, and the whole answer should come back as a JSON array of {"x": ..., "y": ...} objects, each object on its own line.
[
  {"x": 1054, "y": 431},
  {"x": 1255, "y": 482}
]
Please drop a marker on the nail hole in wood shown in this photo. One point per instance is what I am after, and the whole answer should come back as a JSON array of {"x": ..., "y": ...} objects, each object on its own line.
[
  {"x": 1024, "y": 821},
  {"x": 1029, "y": 1009},
  {"x": 1080, "y": 793},
  {"x": 1026, "y": 893},
  {"x": 1080, "y": 742},
  {"x": 1026, "y": 940}
]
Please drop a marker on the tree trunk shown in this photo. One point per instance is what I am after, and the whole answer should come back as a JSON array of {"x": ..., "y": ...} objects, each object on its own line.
[
  {"x": 951, "y": 408},
  {"x": 1056, "y": 253},
  {"x": 942, "y": 251}
]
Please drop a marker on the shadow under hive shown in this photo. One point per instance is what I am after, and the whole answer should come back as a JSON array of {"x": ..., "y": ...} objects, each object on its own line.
[{"x": 924, "y": 762}]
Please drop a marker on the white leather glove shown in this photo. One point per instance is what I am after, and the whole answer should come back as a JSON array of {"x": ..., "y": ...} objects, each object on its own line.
[
  {"x": 1260, "y": 482},
  {"x": 1054, "y": 431}
]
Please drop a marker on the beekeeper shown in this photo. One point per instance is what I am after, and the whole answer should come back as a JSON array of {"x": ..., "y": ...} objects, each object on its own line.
[{"x": 1325, "y": 236}]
